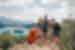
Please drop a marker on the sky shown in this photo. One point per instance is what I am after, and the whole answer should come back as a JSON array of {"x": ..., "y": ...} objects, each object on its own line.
[{"x": 30, "y": 10}]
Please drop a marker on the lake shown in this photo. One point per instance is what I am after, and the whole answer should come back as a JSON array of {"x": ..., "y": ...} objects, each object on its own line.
[{"x": 12, "y": 31}]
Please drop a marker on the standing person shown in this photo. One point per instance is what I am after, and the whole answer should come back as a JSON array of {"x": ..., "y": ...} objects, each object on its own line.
[
  {"x": 32, "y": 35},
  {"x": 56, "y": 32},
  {"x": 45, "y": 27},
  {"x": 40, "y": 22}
]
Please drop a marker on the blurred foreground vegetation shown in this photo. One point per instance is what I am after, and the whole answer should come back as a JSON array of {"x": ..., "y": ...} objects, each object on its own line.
[{"x": 68, "y": 33}]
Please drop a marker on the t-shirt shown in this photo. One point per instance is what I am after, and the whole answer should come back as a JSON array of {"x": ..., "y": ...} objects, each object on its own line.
[
  {"x": 45, "y": 26},
  {"x": 56, "y": 29}
]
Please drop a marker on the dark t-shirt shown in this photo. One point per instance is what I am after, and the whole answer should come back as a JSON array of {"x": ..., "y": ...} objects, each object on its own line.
[
  {"x": 56, "y": 29},
  {"x": 45, "y": 26}
]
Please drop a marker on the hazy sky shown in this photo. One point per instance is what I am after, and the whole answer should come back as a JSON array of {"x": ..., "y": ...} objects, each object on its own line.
[{"x": 31, "y": 9}]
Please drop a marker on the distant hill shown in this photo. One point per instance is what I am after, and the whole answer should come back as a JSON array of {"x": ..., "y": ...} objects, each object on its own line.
[
  {"x": 6, "y": 22},
  {"x": 29, "y": 25}
]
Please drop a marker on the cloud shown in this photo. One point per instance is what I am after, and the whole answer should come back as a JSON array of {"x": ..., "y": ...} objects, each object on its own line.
[
  {"x": 30, "y": 8},
  {"x": 15, "y": 2}
]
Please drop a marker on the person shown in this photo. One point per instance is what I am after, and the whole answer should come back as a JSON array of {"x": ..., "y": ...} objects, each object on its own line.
[
  {"x": 40, "y": 20},
  {"x": 39, "y": 33},
  {"x": 32, "y": 35},
  {"x": 56, "y": 32},
  {"x": 45, "y": 27}
]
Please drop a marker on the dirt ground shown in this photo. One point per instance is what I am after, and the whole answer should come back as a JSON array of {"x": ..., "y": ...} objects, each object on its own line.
[{"x": 52, "y": 46}]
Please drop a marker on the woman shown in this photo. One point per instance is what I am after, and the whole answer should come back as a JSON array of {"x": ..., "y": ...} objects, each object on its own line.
[{"x": 32, "y": 35}]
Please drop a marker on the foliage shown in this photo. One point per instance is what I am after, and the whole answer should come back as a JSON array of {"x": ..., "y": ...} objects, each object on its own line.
[{"x": 68, "y": 33}]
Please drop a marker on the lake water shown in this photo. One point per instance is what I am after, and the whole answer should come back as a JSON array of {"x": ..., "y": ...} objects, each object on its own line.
[{"x": 11, "y": 30}]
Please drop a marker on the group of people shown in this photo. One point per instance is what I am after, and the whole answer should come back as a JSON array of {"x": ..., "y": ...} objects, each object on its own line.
[{"x": 41, "y": 31}]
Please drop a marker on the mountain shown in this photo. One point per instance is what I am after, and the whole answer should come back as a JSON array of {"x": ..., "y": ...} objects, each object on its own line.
[{"x": 4, "y": 22}]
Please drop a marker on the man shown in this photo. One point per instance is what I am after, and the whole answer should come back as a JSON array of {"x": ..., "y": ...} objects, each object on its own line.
[
  {"x": 56, "y": 32},
  {"x": 45, "y": 27},
  {"x": 40, "y": 30}
]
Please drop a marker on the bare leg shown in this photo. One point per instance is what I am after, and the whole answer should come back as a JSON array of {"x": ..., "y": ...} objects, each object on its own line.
[{"x": 45, "y": 35}]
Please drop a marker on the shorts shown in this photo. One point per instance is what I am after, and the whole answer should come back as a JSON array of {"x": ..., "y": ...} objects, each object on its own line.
[
  {"x": 56, "y": 34},
  {"x": 44, "y": 30}
]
